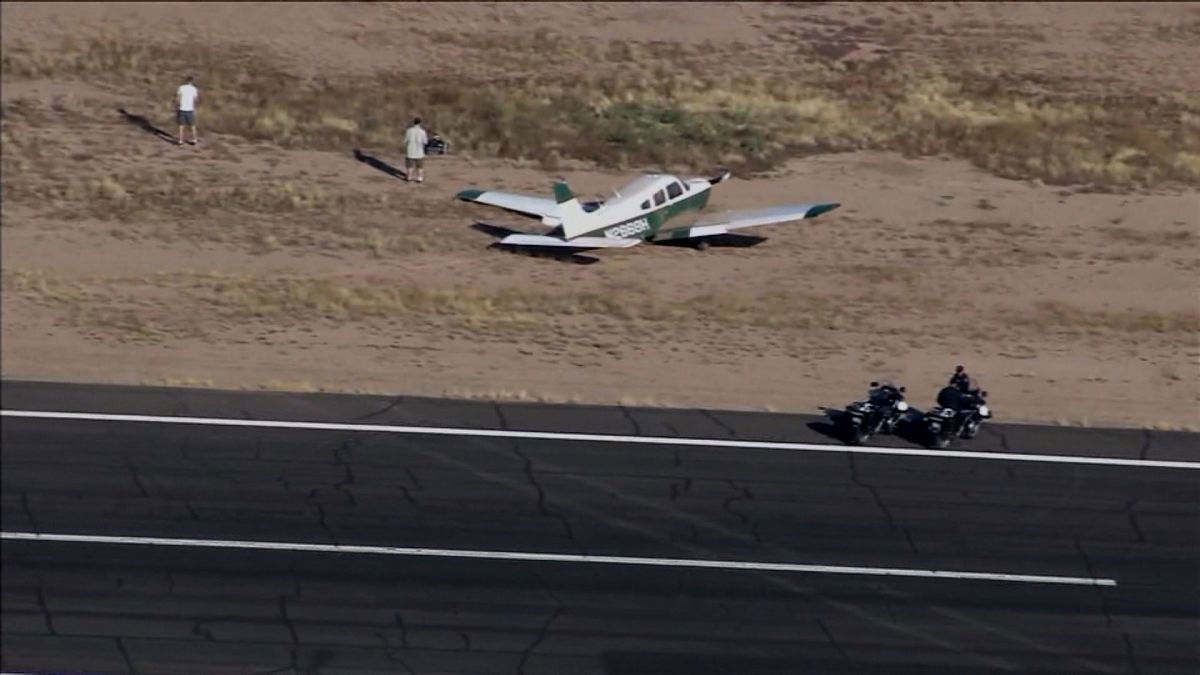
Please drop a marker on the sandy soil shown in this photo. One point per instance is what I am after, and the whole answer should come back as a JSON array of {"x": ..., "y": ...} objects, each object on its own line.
[{"x": 1071, "y": 306}]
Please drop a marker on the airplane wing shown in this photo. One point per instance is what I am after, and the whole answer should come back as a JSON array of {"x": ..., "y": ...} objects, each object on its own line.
[
  {"x": 576, "y": 243},
  {"x": 526, "y": 205},
  {"x": 729, "y": 221}
]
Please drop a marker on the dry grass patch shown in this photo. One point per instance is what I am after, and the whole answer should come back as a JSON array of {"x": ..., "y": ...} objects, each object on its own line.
[
  {"x": 258, "y": 217},
  {"x": 1054, "y": 314},
  {"x": 1168, "y": 238},
  {"x": 136, "y": 305},
  {"x": 660, "y": 105}
]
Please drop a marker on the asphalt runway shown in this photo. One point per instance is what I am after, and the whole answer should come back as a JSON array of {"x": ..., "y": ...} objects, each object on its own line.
[{"x": 1112, "y": 551}]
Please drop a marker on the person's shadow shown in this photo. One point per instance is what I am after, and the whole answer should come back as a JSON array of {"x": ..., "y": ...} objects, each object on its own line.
[
  {"x": 379, "y": 164},
  {"x": 141, "y": 122}
]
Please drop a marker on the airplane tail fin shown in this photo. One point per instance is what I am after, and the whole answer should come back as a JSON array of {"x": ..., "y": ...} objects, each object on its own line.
[
  {"x": 562, "y": 192},
  {"x": 570, "y": 211}
]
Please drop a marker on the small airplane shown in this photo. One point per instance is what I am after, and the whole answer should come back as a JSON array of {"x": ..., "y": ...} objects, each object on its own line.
[{"x": 637, "y": 212}]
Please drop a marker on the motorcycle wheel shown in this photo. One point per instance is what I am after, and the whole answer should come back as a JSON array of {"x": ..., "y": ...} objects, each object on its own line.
[{"x": 970, "y": 430}]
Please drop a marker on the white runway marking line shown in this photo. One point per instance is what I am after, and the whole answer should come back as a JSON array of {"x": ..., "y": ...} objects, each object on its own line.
[
  {"x": 601, "y": 438},
  {"x": 554, "y": 557}
]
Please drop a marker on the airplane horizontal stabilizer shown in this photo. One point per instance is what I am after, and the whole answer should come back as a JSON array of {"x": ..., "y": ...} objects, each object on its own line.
[
  {"x": 526, "y": 205},
  {"x": 576, "y": 243}
]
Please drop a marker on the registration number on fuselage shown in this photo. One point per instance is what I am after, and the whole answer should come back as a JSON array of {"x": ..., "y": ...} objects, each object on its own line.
[{"x": 629, "y": 229}]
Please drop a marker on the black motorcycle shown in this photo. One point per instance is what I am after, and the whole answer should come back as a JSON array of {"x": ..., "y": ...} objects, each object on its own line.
[
  {"x": 881, "y": 412},
  {"x": 957, "y": 415}
]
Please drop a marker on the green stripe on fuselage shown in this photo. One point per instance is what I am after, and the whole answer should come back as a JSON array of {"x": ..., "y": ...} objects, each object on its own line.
[{"x": 655, "y": 219}]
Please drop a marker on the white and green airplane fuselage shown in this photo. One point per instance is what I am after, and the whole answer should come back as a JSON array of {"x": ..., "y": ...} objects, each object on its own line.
[{"x": 639, "y": 211}]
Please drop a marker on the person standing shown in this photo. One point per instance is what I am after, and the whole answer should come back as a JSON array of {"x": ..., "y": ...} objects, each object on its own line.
[
  {"x": 186, "y": 98},
  {"x": 414, "y": 151}
]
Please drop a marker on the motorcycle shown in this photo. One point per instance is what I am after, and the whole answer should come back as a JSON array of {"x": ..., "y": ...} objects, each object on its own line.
[
  {"x": 882, "y": 412},
  {"x": 944, "y": 423}
]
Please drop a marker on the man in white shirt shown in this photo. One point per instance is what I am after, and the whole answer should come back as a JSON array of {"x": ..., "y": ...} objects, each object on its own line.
[
  {"x": 414, "y": 151},
  {"x": 186, "y": 98}
]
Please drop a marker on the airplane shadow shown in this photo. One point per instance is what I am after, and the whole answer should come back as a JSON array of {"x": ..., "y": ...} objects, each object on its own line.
[
  {"x": 141, "y": 122},
  {"x": 729, "y": 240},
  {"x": 379, "y": 164},
  {"x": 500, "y": 231}
]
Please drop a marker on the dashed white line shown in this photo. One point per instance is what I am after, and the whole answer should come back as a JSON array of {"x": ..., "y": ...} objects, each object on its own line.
[
  {"x": 555, "y": 557},
  {"x": 601, "y": 438}
]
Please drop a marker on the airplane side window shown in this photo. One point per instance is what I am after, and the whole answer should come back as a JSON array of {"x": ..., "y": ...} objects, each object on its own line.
[
  {"x": 673, "y": 190},
  {"x": 645, "y": 204},
  {"x": 659, "y": 198}
]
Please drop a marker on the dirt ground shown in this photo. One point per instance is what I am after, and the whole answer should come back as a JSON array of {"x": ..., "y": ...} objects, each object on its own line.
[{"x": 245, "y": 262}]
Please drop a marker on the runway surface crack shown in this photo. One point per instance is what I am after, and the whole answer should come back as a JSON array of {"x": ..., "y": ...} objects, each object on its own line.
[
  {"x": 392, "y": 652},
  {"x": 833, "y": 641},
  {"x": 500, "y": 415},
  {"x": 1146, "y": 440},
  {"x": 887, "y": 513},
  {"x": 41, "y": 597},
  {"x": 912, "y": 544},
  {"x": 637, "y": 428},
  {"x": 1000, "y": 435},
  {"x": 292, "y": 667},
  {"x": 29, "y": 512},
  {"x": 1087, "y": 564},
  {"x": 1132, "y": 656},
  {"x": 191, "y": 511},
  {"x": 348, "y": 479},
  {"x": 295, "y": 579},
  {"x": 201, "y": 630},
  {"x": 324, "y": 525},
  {"x": 403, "y": 629},
  {"x": 541, "y": 636},
  {"x": 1137, "y": 529},
  {"x": 413, "y": 476},
  {"x": 541, "y": 494},
  {"x": 728, "y": 429},
  {"x": 125, "y": 655},
  {"x": 382, "y": 411},
  {"x": 287, "y": 620},
  {"x": 137, "y": 480},
  {"x": 745, "y": 520},
  {"x": 679, "y": 487}
]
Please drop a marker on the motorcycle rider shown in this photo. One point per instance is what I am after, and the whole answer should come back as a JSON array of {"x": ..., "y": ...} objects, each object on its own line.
[
  {"x": 961, "y": 380},
  {"x": 885, "y": 395},
  {"x": 961, "y": 393}
]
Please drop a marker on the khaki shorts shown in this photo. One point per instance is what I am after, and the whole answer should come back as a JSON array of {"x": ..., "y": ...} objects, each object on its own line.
[{"x": 414, "y": 162}]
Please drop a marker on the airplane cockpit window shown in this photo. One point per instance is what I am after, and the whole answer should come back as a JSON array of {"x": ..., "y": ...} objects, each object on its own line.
[
  {"x": 659, "y": 198},
  {"x": 645, "y": 204},
  {"x": 673, "y": 190}
]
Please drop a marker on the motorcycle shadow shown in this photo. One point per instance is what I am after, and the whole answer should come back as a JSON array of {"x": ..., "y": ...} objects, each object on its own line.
[{"x": 909, "y": 429}]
